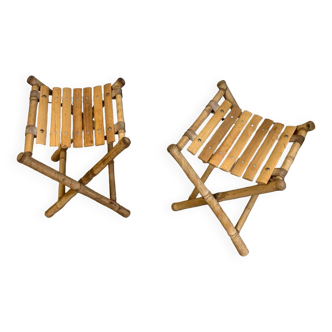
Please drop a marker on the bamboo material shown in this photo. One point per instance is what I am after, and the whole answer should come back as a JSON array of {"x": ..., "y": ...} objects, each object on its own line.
[
  {"x": 220, "y": 133},
  {"x": 230, "y": 139},
  {"x": 66, "y": 118},
  {"x": 42, "y": 115},
  {"x": 252, "y": 147},
  {"x": 228, "y": 95},
  {"x": 119, "y": 110},
  {"x": 263, "y": 151},
  {"x": 111, "y": 176},
  {"x": 246, "y": 212},
  {"x": 207, "y": 130},
  {"x": 98, "y": 112},
  {"x": 210, "y": 200},
  {"x": 240, "y": 143},
  {"x": 77, "y": 119},
  {"x": 204, "y": 177},
  {"x": 32, "y": 115},
  {"x": 87, "y": 117},
  {"x": 199, "y": 121},
  {"x": 232, "y": 194},
  {"x": 94, "y": 171},
  {"x": 33, "y": 81},
  {"x": 271, "y": 163},
  {"x": 55, "y": 117},
  {"x": 110, "y": 133},
  {"x": 62, "y": 170},
  {"x": 76, "y": 186}
]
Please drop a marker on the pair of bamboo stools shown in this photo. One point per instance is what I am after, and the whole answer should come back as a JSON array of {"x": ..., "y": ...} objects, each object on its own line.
[{"x": 244, "y": 145}]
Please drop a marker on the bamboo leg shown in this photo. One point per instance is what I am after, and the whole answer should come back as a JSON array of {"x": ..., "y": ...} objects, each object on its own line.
[
  {"x": 232, "y": 194},
  {"x": 62, "y": 170},
  {"x": 30, "y": 134},
  {"x": 211, "y": 201},
  {"x": 246, "y": 212},
  {"x": 76, "y": 186},
  {"x": 111, "y": 175},
  {"x": 204, "y": 177},
  {"x": 94, "y": 171}
]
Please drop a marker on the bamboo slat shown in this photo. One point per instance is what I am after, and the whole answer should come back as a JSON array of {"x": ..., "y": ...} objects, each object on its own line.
[
  {"x": 263, "y": 151},
  {"x": 240, "y": 144},
  {"x": 55, "y": 118},
  {"x": 77, "y": 119},
  {"x": 272, "y": 162},
  {"x": 109, "y": 113},
  {"x": 220, "y": 133},
  {"x": 207, "y": 130},
  {"x": 87, "y": 117},
  {"x": 248, "y": 153},
  {"x": 42, "y": 115},
  {"x": 66, "y": 118},
  {"x": 229, "y": 140},
  {"x": 98, "y": 112}
]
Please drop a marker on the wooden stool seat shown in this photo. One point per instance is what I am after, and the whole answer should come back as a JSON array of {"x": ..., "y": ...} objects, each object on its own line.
[
  {"x": 78, "y": 118},
  {"x": 242, "y": 143}
]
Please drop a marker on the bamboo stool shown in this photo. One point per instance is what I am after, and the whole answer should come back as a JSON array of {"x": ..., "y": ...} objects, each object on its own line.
[
  {"x": 243, "y": 144},
  {"x": 66, "y": 129}
]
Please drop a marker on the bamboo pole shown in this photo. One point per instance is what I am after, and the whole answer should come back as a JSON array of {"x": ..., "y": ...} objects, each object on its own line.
[
  {"x": 111, "y": 176},
  {"x": 246, "y": 212},
  {"x": 119, "y": 106},
  {"x": 62, "y": 170},
  {"x": 204, "y": 177},
  {"x": 94, "y": 171},
  {"x": 210, "y": 200},
  {"x": 232, "y": 194},
  {"x": 76, "y": 186},
  {"x": 30, "y": 134}
]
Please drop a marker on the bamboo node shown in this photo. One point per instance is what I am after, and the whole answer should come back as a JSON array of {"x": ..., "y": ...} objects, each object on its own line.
[
  {"x": 115, "y": 92},
  {"x": 34, "y": 95},
  {"x": 30, "y": 129},
  {"x": 298, "y": 139},
  {"x": 190, "y": 134},
  {"x": 119, "y": 126},
  {"x": 214, "y": 105}
]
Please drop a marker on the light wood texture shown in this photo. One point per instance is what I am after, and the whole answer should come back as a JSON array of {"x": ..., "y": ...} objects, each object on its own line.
[
  {"x": 252, "y": 147},
  {"x": 33, "y": 81},
  {"x": 220, "y": 133},
  {"x": 42, "y": 115},
  {"x": 240, "y": 143},
  {"x": 77, "y": 119},
  {"x": 66, "y": 118},
  {"x": 109, "y": 113},
  {"x": 87, "y": 117},
  {"x": 221, "y": 152},
  {"x": 62, "y": 170},
  {"x": 210, "y": 200},
  {"x": 120, "y": 116},
  {"x": 55, "y": 133},
  {"x": 111, "y": 176},
  {"x": 272, "y": 162},
  {"x": 98, "y": 112},
  {"x": 32, "y": 116},
  {"x": 94, "y": 171},
  {"x": 209, "y": 127},
  {"x": 246, "y": 212},
  {"x": 263, "y": 151},
  {"x": 204, "y": 177},
  {"x": 199, "y": 121},
  {"x": 232, "y": 194},
  {"x": 76, "y": 186}
]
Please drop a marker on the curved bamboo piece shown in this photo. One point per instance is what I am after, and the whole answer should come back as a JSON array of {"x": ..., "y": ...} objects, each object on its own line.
[
  {"x": 95, "y": 170},
  {"x": 210, "y": 200},
  {"x": 76, "y": 186},
  {"x": 232, "y": 194}
]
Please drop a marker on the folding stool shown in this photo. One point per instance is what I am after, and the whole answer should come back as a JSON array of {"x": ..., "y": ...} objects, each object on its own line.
[
  {"x": 69, "y": 126},
  {"x": 244, "y": 145}
]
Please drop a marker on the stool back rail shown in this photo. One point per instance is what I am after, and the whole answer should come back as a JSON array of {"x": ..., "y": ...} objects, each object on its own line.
[
  {"x": 240, "y": 145},
  {"x": 77, "y": 119}
]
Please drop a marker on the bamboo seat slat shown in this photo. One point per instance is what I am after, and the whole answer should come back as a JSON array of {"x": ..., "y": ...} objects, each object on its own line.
[
  {"x": 218, "y": 136},
  {"x": 77, "y": 119},
  {"x": 109, "y": 120},
  {"x": 250, "y": 150},
  {"x": 87, "y": 117},
  {"x": 66, "y": 118},
  {"x": 98, "y": 113},
  {"x": 240, "y": 143},
  {"x": 42, "y": 115},
  {"x": 55, "y": 134},
  {"x": 262, "y": 152},
  {"x": 221, "y": 152},
  {"x": 272, "y": 162},
  {"x": 207, "y": 130}
]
